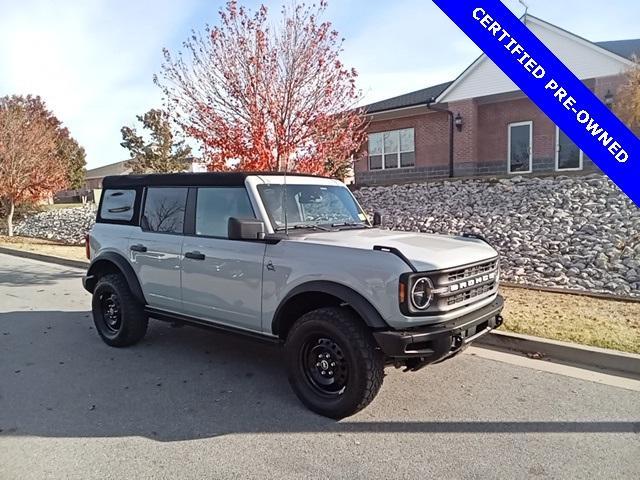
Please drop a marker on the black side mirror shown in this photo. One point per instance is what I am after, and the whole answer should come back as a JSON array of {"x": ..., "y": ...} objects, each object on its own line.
[
  {"x": 378, "y": 219},
  {"x": 245, "y": 229}
]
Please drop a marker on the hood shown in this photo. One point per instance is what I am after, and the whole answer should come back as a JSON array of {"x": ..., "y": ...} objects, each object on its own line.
[{"x": 426, "y": 251}]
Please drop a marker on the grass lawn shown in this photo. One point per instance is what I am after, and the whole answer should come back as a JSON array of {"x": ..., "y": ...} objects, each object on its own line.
[
  {"x": 45, "y": 247},
  {"x": 571, "y": 318}
]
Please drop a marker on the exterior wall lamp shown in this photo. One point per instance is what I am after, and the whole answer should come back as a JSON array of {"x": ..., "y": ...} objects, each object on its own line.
[
  {"x": 608, "y": 99},
  {"x": 458, "y": 121}
]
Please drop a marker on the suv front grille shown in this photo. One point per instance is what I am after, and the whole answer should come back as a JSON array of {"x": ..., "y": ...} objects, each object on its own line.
[
  {"x": 469, "y": 294},
  {"x": 472, "y": 271},
  {"x": 465, "y": 285}
]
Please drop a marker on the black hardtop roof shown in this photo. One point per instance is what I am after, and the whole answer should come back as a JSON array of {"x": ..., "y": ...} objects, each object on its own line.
[{"x": 219, "y": 179}]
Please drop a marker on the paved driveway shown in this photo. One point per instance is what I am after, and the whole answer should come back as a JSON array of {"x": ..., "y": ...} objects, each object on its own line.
[{"x": 189, "y": 403}]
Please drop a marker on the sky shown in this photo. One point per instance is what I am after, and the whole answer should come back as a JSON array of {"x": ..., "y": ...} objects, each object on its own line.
[{"x": 93, "y": 61}]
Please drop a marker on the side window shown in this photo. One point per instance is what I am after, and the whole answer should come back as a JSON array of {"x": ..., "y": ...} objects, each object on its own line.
[
  {"x": 164, "y": 210},
  {"x": 118, "y": 205},
  {"x": 214, "y": 207}
]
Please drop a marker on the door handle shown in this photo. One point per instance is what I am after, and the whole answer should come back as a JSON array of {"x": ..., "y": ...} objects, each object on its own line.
[
  {"x": 194, "y": 255},
  {"x": 138, "y": 248}
]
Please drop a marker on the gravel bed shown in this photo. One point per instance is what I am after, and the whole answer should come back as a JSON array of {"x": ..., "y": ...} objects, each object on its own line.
[{"x": 68, "y": 225}]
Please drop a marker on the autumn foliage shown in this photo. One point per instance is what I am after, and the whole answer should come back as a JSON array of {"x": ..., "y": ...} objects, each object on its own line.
[
  {"x": 627, "y": 104},
  {"x": 261, "y": 98},
  {"x": 31, "y": 144}
]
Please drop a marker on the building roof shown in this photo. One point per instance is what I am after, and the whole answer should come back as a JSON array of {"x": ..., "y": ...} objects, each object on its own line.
[
  {"x": 117, "y": 168},
  {"x": 120, "y": 168},
  {"x": 624, "y": 48},
  {"x": 189, "y": 179},
  {"x": 419, "y": 97}
]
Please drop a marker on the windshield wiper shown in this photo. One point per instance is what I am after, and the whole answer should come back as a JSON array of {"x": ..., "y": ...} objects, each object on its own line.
[
  {"x": 303, "y": 225},
  {"x": 350, "y": 224}
]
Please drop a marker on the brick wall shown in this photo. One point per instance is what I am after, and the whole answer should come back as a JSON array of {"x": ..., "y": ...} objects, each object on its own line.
[
  {"x": 431, "y": 135},
  {"x": 493, "y": 124},
  {"x": 480, "y": 148},
  {"x": 465, "y": 140},
  {"x": 604, "y": 84}
]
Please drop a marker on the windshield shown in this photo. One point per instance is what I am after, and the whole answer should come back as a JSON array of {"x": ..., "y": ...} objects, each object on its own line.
[{"x": 311, "y": 205}]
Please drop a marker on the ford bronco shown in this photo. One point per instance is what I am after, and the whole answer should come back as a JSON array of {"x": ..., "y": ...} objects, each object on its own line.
[{"x": 290, "y": 259}]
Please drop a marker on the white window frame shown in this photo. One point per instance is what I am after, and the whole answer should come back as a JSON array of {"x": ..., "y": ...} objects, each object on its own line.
[
  {"x": 520, "y": 124},
  {"x": 399, "y": 151},
  {"x": 558, "y": 169}
]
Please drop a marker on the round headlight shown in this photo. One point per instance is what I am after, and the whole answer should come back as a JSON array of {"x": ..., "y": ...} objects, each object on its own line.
[{"x": 421, "y": 294}]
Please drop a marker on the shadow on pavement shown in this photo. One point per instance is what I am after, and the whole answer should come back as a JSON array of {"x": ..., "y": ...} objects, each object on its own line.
[
  {"x": 34, "y": 275},
  {"x": 59, "y": 380}
]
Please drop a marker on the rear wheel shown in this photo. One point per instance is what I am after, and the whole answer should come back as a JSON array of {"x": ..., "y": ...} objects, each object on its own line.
[
  {"x": 119, "y": 318},
  {"x": 333, "y": 362}
]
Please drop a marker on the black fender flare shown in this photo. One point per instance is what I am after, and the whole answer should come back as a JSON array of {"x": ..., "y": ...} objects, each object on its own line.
[
  {"x": 110, "y": 260},
  {"x": 360, "y": 304}
]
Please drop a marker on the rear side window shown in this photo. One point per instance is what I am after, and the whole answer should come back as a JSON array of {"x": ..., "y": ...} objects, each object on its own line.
[
  {"x": 118, "y": 205},
  {"x": 216, "y": 205},
  {"x": 164, "y": 210}
]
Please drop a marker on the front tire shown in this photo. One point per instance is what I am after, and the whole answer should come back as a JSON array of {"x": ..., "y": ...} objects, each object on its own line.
[
  {"x": 119, "y": 318},
  {"x": 333, "y": 363}
]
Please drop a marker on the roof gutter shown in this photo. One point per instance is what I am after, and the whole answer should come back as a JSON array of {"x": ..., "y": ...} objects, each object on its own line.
[
  {"x": 430, "y": 106},
  {"x": 399, "y": 109}
]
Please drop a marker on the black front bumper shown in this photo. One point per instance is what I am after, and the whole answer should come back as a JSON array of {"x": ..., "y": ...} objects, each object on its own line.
[{"x": 434, "y": 343}]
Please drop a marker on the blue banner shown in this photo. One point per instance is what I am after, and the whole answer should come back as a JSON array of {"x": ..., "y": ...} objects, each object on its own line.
[{"x": 552, "y": 87}]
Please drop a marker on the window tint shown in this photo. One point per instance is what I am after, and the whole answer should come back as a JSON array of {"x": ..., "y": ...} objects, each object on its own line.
[
  {"x": 216, "y": 205},
  {"x": 164, "y": 210},
  {"x": 118, "y": 205}
]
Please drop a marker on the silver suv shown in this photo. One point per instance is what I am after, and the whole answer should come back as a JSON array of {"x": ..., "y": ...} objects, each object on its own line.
[{"x": 293, "y": 260}]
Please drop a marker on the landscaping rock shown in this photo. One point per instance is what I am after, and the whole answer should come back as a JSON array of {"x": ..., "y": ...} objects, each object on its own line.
[
  {"x": 68, "y": 225},
  {"x": 574, "y": 232}
]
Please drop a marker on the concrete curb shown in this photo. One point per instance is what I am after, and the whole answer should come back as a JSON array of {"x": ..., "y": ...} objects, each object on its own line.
[
  {"x": 592, "y": 358},
  {"x": 66, "y": 262}
]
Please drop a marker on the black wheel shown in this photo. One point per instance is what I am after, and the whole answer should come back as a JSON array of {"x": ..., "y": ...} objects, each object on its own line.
[
  {"x": 118, "y": 316},
  {"x": 332, "y": 361}
]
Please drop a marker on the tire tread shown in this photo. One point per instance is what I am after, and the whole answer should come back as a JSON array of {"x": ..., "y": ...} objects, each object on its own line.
[
  {"x": 136, "y": 322},
  {"x": 361, "y": 339}
]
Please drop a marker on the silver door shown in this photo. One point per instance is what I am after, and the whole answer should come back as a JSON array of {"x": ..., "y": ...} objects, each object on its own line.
[
  {"x": 222, "y": 281},
  {"x": 155, "y": 247},
  {"x": 222, "y": 278}
]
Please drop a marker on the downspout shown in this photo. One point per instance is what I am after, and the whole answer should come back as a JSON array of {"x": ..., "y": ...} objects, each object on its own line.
[{"x": 450, "y": 113}]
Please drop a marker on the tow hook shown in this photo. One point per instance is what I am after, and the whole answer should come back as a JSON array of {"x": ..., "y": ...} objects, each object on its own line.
[
  {"x": 456, "y": 342},
  {"x": 499, "y": 320}
]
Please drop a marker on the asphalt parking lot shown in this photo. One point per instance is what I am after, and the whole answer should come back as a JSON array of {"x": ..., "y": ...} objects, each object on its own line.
[{"x": 190, "y": 403}]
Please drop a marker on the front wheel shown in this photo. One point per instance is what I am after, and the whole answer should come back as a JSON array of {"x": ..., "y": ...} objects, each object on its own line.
[{"x": 333, "y": 363}]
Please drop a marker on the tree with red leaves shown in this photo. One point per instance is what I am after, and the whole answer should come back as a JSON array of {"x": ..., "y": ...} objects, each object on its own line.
[
  {"x": 627, "y": 104},
  {"x": 263, "y": 99},
  {"x": 31, "y": 165}
]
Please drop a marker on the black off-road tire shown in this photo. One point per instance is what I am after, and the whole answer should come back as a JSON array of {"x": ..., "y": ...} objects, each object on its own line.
[
  {"x": 347, "y": 335},
  {"x": 112, "y": 290}
]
